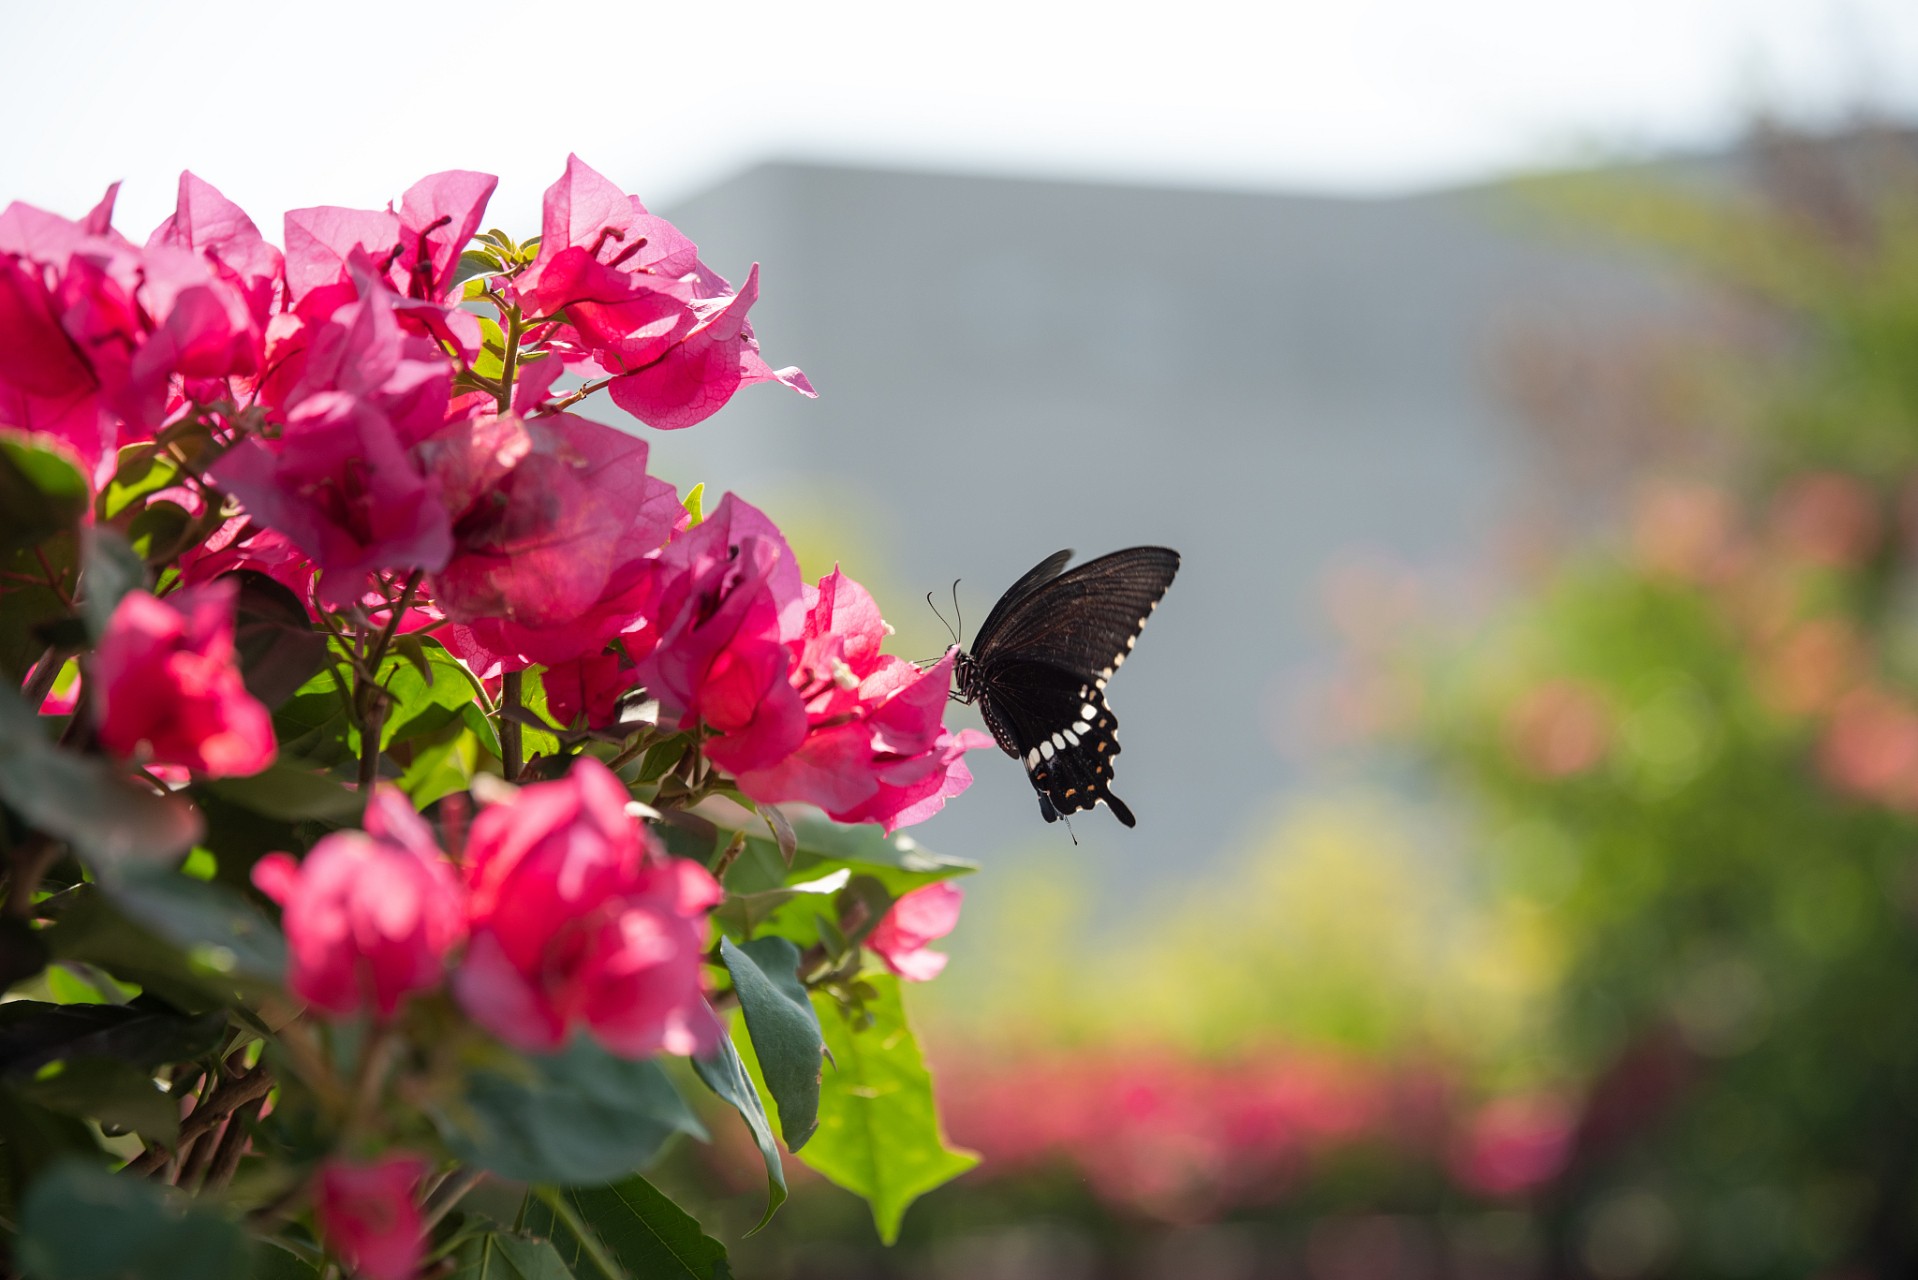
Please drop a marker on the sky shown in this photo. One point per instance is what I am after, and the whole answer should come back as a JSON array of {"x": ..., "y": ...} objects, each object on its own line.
[{"x": 283, "y": 106}]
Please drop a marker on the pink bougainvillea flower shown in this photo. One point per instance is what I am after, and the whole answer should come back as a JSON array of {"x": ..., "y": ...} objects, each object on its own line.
[
  {"x": 579, "y": 919},
  {"x": 697, "y": 376},
  {"x": 877, "y": 749},
  {"x": 129, "y": 321},
  {"x": 339, "y": 482},
  {"x": 369, "y": 916},
  {"x": 1870, "y": 748},
  {"x": 589, "y": 686},
  {"x": 207, "y": 224},
  {"x": 728, "y": 599},
  {"x": 168, "y": 690},
  {"x": 640, "y": 305},
  {"x": 928, "y": 912},
  {"x": 1514, "y": 1145},
  {"x": 553, "y": 520},
  {"x": 368, "y": 1216},
  {"x": 415, "y": 253}
]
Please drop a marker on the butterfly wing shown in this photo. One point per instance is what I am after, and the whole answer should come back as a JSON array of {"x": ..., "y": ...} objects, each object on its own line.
[
  {"x": 1059, "y": 727},
  {"x": 1041, "y": 664},
  {"x": 1040, "y": 574},
  {"x": 1084, "y": 620}
]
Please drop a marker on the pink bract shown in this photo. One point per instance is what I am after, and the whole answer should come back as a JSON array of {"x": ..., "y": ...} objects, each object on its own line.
[
  {"x": 167, "y": 689},
  {"x": 929, "y": 912},
  {"x": 579, "y": 919},
  {"x": 554, "y": 519},
  {"x": 641, "y": 306},
  {"x": 728, "y": 599},
  {"x": 877, "y": 749},
  {"x": 367, "y": 1214},
  {"x": 369, "y": 917}
]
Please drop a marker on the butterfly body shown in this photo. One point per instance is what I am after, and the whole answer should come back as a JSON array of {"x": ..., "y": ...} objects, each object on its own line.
[{"x": 1039, "y": 666}]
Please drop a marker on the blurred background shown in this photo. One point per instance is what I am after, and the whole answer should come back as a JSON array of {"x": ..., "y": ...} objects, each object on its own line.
[{"x": 1526, "y": 758}]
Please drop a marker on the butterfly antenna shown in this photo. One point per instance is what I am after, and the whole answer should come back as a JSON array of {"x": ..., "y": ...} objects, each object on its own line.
[
  {"x": 955, "y": 612},
  {"x": 1069, "y": 830},
  {"x": 941, "y": 616}
]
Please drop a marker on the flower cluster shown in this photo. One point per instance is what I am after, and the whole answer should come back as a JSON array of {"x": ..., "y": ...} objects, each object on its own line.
[{"x": 308, "y": 534}]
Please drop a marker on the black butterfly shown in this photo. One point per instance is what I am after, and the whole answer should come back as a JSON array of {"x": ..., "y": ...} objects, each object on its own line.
[{"x": 1040, "y": 663}]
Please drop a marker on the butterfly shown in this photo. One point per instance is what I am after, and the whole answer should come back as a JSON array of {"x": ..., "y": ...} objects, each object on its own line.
[{"x": 1040, "y": 662}]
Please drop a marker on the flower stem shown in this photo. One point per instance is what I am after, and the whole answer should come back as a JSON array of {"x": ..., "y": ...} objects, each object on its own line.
[{"x": 511, "y": 758}]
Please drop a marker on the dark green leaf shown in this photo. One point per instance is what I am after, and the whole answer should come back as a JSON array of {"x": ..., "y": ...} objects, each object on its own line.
[
  {"x": 287, "y": 791},
  {"x": 112, "y": 569},
  {"x": 42, "y": 491},
  {"x": 879, "y": 1132},
  {"x": 580, "y": 1116},
  {"x": 145, "y": 1033},
  {"x": 84, "y": 799},
  {"x": 498, "y": 1255},
  {"x": 154, "y": 1234},
  {"x": 475, "y": 262},
  {"x": 113, "y": 1092},
  {"x": 782, "y": 832},
  {"x": 784, "y": 1029},
  {"x": 33, "y": 609},
  {"x": 278, "y": 649},
  {"x": 36, "y": 1138},
  {"x": 161, "y": 531},
  {"x": 142, "y": 471},
  {"x": 631, "y": 1228},
  {"x": 270, "y": 1262},
  {"x": 727, "y": 1076},
  {"x": 196, "y": 945}
]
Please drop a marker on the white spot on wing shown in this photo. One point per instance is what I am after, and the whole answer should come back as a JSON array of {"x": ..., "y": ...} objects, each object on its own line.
[
  {"x": 1072, "y": 737},
  {"x": 1079, "y": 727},
  {"x": 1045, "y": 749},
  {"x": 1032, "y": 758}
]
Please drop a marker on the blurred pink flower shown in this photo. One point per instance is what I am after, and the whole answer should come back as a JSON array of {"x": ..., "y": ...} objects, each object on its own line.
[
  {"x": 1828, "y": 519},
  {"x": 1815, "y": 663},
  {"x": 928, "y": 912},
  {"x": 640, "y": 306},
  {"x": 1559, "y": 728},
  {"x": 1870, "y": 748},
  {"x": 728, "y": 598},
  {"x": 368, "y": 1216},
  {"x": 1683, "y": 530},
  {"x": 1514, "y": 1145},
  {"x": 578, "y": 918},
  {"x": 369, "y": 916},
  {"x": 167, "y": 688}
]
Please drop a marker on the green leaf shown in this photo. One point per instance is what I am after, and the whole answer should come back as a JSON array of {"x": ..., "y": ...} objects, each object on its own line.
[
  {"x": 113, "y": 1092},
  {"x": 784, "y": 1029},
  {"x": 35, "y": 615},
  {"x": 313, "y": 723},
  {"x": 42, "y": 490},
  {"x": 727, "y": 1076},
  {"x": 144, "y": 1032},
  {"x": 37, "y": 1138},
  {"x": 291, "y": 793},
  {"x": 879, "y": 1132},
  {"x": 153, "y": 1234},
  {"x": 498, "y": 1255},
  {"x": 270, "y": 1262},
  {"x": 160, "y": 532},
  {"x": 579, "y": 1116},
  {"x": 112, "y": 568},
  {"x": 441, "y": 765},
  {"x": 84, "y": 799},
  {"x": 692, "y": 503},
  {"x": 198, "y": 946},
  {"x": 278, "y": 649},
  {"x": 629, "y": 1229},
  {"x": 475, "y": 262},
  {"x": 492, "y": 357},
  {"x": 141, "y": 471}
]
